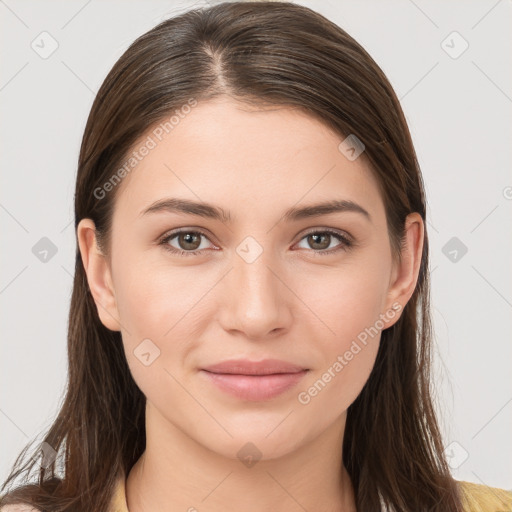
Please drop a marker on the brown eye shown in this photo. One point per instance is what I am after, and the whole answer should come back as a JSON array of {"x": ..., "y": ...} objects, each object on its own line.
[
  {"x": 189, "y": 240},
  {"x": 320, "y": 242}
]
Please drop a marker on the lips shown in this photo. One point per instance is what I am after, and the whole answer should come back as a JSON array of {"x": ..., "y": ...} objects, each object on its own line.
[
  {"x": 254, "y": 380},
  {"x": 246, "y": 367}
]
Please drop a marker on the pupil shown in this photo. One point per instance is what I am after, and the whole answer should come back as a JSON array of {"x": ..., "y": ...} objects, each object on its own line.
[
  {"x": 316, "y": 240},
  {"x": 188, "y": 239}
]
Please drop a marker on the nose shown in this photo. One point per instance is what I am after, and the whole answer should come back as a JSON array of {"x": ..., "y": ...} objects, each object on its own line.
[{"x": 256, "y": 300}]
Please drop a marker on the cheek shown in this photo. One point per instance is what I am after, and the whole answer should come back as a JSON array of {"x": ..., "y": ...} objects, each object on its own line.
[
  {"x": 346, "y": 299},
  {"x": 157, "y": 299},
  {"x": 162, "y": 304},
  {"x": 347, "y": 304},
  {"x": 346, "y": 356},
  {"x": 330, "y": 391}
]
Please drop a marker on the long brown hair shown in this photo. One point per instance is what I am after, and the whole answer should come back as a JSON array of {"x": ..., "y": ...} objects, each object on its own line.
[{"x": 264, "y": 53}]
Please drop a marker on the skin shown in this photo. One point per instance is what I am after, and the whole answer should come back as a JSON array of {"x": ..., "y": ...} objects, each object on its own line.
[{"x": 290, "y": 303}]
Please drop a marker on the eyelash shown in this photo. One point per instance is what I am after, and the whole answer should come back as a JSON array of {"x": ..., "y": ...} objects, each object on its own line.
[{"x": 345, "y": 245}]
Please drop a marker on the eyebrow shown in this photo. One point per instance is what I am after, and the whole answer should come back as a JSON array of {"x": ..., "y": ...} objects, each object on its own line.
[{"x": 175, "y": 205}]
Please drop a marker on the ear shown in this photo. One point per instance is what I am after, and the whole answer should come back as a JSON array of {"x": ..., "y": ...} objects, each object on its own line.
[
  {"x": 404, "y": 275},
  {"x": 98, "y": 275}
]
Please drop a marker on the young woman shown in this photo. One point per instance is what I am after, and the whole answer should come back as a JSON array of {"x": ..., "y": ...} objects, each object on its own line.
[{"x": 250, "y": 324}]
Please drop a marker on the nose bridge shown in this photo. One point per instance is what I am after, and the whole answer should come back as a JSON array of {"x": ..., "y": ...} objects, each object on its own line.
[
  {"x": 255, "y": 297},
  {"x": 253, "y": 271}
]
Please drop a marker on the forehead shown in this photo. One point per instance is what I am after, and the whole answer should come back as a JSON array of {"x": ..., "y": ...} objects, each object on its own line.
[{"x": 233, "y": 154}]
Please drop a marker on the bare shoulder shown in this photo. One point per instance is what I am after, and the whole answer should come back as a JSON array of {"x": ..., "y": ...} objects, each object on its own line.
[{"x": 483, "y": 498}]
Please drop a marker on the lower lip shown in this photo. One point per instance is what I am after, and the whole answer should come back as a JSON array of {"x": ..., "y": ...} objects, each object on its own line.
[{"x": 255, "y": 387}]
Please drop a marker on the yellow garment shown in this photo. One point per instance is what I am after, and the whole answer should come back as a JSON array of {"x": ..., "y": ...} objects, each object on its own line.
[
  {"x": 482, "y": 498},
  {"x": 477, "y": 498}
]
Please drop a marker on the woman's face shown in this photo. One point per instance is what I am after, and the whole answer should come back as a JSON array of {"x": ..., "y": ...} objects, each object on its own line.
[{"x": 263, "y": 284}]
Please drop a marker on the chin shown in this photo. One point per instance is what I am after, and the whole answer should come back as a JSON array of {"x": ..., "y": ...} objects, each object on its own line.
[{"x": 253, "y": 442}]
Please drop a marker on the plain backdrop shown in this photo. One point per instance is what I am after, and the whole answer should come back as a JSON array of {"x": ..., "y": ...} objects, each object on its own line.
[{"x": 450, "y": 64}]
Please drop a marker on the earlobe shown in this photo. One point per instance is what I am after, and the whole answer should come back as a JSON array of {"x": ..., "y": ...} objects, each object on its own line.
[
  {"x": 405, "y": 273},
  {"x": 98, "y": 275}
]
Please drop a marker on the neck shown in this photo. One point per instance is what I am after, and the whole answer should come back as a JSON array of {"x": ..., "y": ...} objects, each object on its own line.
[{"x": 177, "y": 473}]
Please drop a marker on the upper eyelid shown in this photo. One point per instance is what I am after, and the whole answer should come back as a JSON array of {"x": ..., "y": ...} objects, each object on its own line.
[{"x": 171, "y": 234}]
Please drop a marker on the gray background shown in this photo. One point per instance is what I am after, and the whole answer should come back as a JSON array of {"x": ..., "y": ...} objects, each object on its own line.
[{"x": 458, "y": 106}]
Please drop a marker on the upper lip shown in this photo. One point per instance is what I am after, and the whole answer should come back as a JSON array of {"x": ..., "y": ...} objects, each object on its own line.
[{"x": 247, "y": 367}]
